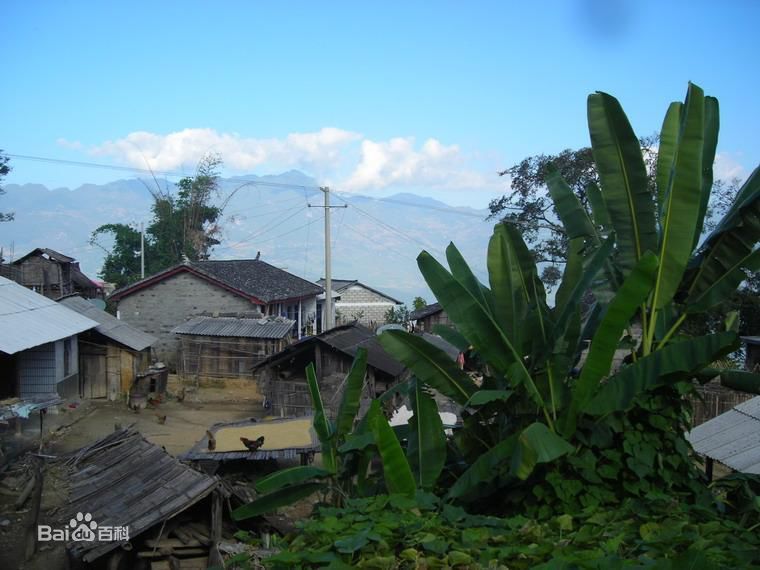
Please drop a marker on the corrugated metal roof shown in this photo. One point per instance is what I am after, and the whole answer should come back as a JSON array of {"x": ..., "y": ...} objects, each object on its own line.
[
  {"x": 109, "y": 325},
  {"x": 28, "y": 319},
  {"x": 274, "y": 328},
  {"x": 733, "y": 438},
  {"x": 425, "y": 311}
]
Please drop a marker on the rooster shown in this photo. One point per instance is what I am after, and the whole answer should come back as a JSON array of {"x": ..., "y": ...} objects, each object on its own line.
[
  {"x": 211, "y": 441},
  {"x": 161, "y": 419},
  {"x": 253, "y": 445}
]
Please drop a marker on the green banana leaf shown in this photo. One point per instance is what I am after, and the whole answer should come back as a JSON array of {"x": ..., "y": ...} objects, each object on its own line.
[
  {"x": 724, "y": 285},
  {"x": 274, "y": 501},
  {"x": 620, "y": 311},
  {"x": 290, "y": 476},
  {"x": 509, "y": 292},
  {"x": 462, "y": 273},
  {"x": 732, "y": 241},
  {"x": 482, "y": 397},
  {"x": 666, "y": 153},
  {"x": 686, "y": 356},
  {"x": 571, "y": 213},
  {"x": 452, "y": 336},
  {"x": 322, "y": 425},
  {"x": 349, "y": 405},
  {"x": 430, "y": 364},
  {"x": 537, "y": 444},
  {"x": 475, "y": 322},
  {"x": 488, "y": 466},
  {"x": 426, "y": 448},
  {"x": 740, "y": 380},
  {"x": 396, "y": 471},
  {"x": 712, "y": 126},
  {"x": 599, "y": 213},
  {"x": 623, "y": 177},
  {"x": 572, "y": 273},
  {"x": 682, "y": 200}
]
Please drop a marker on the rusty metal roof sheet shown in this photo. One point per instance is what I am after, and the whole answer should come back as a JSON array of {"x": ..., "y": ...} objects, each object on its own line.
[
  {"x": 267, "y": 327},
  {"x": 28, "y": 319},
  {"x": 124, "y": 480},
  {"x": 109, "y": 325},
  {"x": 732, "y": 438}
]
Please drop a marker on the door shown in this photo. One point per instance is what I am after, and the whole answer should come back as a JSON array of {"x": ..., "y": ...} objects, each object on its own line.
[{"x": 92, "y": 371}]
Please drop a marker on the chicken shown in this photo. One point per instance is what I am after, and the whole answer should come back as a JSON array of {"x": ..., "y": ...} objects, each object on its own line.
[
  {"x": 161, "y": 419},
  {"x": 135, "y": 408},
  {"x": 253, "y": 445},
  {"x": 181, "y": 395},
  {"x": 211, "y": 441}
]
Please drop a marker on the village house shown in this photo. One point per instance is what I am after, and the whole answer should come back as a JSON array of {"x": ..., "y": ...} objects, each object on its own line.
[
  {"x": 229, "y": 345},
  {"x": 161, "y": 302},
  {"x": 51, "y": 274},
  {"x": 361, "y": 303},
  {"x": 39, "y": 354},
  {"x": 282, "y": 377},
  {"x": 111, "y": 355},
  {"x": 424, "y": 319}
]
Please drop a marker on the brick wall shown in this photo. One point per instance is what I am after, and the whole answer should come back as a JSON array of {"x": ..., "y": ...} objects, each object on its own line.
[
  {"x": 356, "y": 300},
  {"x": 164, "y": 305}
]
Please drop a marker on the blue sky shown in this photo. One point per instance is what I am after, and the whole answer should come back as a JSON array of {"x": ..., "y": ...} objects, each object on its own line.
[{"x": 376, "y": 98}]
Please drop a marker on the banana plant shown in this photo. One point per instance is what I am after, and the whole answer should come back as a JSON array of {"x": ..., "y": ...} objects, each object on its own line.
[{"x": 636, "y": 253}]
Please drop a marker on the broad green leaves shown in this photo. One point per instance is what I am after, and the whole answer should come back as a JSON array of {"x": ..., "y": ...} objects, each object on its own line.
[
  {"x": 397, "y": 473},
  {"x": 426, "y": 447}
]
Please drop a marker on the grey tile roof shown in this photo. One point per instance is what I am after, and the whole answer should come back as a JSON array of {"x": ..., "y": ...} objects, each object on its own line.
[
  {"x": 248, "y": 277},
  {"x": 124, "y": 480},
  {"x": 109, "y": 325},
  {"x": 51, "y": 253},
  {"x": 425, "y": 311},
  {"x": 270, "y": 327},
  {"x": 28, "y": 319},
  {"x": 733, "y": 438},
  {"x": 339, "y": 285}
]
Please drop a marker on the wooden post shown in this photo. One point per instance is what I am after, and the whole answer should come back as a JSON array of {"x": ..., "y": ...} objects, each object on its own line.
[{"x": 709, "y": 469}]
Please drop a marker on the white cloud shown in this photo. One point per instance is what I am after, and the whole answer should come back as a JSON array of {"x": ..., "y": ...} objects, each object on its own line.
[
  {"x": 344, "y": 159},
  {"x": 726, "y": 167},
  {"x": 71, "y": 145}
]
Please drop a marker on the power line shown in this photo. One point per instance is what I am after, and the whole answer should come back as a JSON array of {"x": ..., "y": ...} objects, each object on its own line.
[{"x": 254, "y": 235}]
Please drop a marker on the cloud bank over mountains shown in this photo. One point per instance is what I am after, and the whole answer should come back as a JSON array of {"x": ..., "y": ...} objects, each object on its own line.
[{"x": 336, "y": 156}]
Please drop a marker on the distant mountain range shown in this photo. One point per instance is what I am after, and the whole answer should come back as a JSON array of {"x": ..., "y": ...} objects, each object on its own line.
[{"x": 374, "y": 240}]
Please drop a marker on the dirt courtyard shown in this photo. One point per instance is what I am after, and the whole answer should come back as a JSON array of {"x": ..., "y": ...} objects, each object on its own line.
[{"x": 186, "y": 421}]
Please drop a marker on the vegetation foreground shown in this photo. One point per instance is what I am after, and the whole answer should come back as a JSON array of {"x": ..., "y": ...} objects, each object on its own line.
[{"x": 564, "y": 459}]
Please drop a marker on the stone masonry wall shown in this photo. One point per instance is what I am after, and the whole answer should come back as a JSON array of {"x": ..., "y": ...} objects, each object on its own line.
[
  {"x": 357, "y": 299},
  {"x": 164, "y": 305}
]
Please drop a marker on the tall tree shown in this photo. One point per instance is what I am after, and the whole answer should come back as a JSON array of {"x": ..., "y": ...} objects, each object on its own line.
[
  {"x": 185, "y": 227},
  {"x": 4, "y": 170},
  {"x": 419, "y": 303}
]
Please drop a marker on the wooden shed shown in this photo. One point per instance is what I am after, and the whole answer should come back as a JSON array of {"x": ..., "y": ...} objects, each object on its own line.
[{"x": 111, "y": 355}]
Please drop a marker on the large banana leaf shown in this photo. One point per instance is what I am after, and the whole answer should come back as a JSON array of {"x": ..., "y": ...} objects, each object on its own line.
[
  {"x": 571, "y": 213},
  {"x": 462, "y": 273},
  {"x": 712, "y": 125},
  {"x": 322, "y": 425},
  {"x": 537, "y": 445},
  {"x": 349, "y": 405},
  {"x": 273, "y": 501},
  {"x": 598, "y": 205},
  {"x": 732, "y": 241},
  {"x": 429, "y": 364},
  {"x": 290, "y": 476},
  {"x": 488, "y": 466},
  {"x": 396, "y": 471},
  {"x": 509, "y": 291},
  {"x": 452, "y": 336},
  {"x": 629, "y": 297},
  {"x": 724, "y": 285},
  {"x": 740, "y": 380},
  {"x": 686, "y": 356},
  {"x": 666, "y": 153},
  {"x": 426, "y": 448},
  {"x": 476, "y": 323},
  {"x": 623, "y": 177},
  {"x": 572, "y": 273},
  {"x": 682, "y": 200}
]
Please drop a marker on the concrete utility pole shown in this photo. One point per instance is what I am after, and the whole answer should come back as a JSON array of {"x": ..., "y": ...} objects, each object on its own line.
[
  {"x": 142, "y": 252},
  {"x": 328, "y": 314}
]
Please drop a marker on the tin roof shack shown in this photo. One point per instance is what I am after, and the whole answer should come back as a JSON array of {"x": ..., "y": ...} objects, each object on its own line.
[
  {"x": 227, "y": 347},
  {"x": 282, "y": 377},
  {"x": 360, "y": 302},
  {"x": 150, "y": 510},
  {"x": 161, "y": 302},
  {"x": 111, "y": 355},
  {"x": 38, "y": 344},
  {"x": 53, "y": 274},
  {"x": 732, "y": 438}
]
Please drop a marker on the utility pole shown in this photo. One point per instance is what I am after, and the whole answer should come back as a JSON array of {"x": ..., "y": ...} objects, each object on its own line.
[
  {"x": 329, "y": 314},
  {"x": 142, "y": 252}
]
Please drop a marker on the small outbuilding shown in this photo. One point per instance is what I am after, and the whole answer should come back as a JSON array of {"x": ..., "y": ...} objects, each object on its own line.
[
  {"x": 282, "y": 377},
  {"x": 424, "y": 319},
  {"x": 111, "y": 355}
]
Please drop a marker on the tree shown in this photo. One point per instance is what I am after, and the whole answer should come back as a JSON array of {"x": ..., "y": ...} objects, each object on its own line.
[
  {"x": 398, "y": 315},
  {"x": 4, "y": 170},
  {"x": 185, "y": 227},
  {"x": 419, "y": 303}
]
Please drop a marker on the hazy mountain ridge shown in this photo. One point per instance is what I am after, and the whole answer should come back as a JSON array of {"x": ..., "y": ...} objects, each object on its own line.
[{"x": 376, "y": 241}]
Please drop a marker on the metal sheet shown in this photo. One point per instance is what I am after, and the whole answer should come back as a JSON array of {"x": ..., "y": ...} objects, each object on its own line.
[
  {"x": 270, "y": 328},
  {"x": 28, "y": 319}
]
